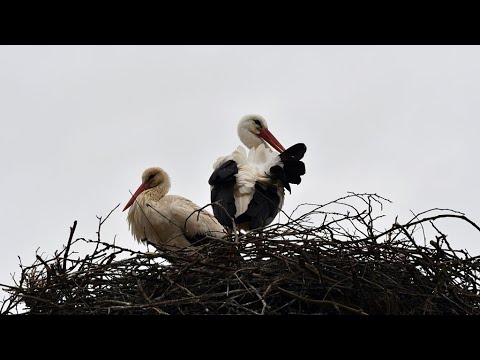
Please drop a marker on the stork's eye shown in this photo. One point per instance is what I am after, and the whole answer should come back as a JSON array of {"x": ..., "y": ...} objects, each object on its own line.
[
  {"x": 151, "y": 177},
  {"x": 257, "y": 122}
]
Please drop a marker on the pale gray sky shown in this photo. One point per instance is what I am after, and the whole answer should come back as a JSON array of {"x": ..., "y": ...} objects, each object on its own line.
[{"x": 81, "y": 123}]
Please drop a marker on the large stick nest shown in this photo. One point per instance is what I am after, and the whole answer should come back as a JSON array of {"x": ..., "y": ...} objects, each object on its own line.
[{"x": 329, "y": 260}]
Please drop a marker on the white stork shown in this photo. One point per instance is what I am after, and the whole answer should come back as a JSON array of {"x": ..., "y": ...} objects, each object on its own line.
[
  {"x": 249, "y": 188},
  {"x": 169, "y": 221}
]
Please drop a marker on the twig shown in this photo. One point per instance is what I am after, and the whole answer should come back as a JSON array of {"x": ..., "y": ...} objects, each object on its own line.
[{"x": 69, "y": 242}]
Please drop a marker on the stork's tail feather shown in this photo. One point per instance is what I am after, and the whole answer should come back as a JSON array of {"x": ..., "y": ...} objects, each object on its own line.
[{"x": 293, "y": 167}]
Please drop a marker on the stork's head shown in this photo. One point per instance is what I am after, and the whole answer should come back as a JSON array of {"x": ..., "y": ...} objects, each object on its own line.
[
  {"x": 253, "y": 129},
  {"x": 152, "y": 177},
  {"x": 155, "y": 176}
]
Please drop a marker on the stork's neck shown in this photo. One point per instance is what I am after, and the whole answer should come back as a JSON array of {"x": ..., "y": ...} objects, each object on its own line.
[
  {"x": 249, "y": 139},
  {"x": 158, "y": 192}
]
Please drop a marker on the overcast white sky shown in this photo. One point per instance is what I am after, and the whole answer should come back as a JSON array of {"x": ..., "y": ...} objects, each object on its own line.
[{"x": 81, "y": 123}]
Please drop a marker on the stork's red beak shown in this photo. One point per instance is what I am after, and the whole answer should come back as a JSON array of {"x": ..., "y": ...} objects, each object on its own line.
[
  {"x": 140, "y": 189},
  {"x": 272, "y": 140}
]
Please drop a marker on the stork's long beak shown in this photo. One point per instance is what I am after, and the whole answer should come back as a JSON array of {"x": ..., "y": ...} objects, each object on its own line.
[
  {"x": 272, "y": 140},
  {"x": 140, "y": 189}
]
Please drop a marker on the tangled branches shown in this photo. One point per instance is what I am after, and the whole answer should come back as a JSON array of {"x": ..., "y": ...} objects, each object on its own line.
[{"x": 329, "y": 260}]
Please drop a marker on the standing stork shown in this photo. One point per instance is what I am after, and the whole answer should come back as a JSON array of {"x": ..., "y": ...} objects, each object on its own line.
[
  {"x": 169, "y": 221},
  {"x": 250, "y": 188}
]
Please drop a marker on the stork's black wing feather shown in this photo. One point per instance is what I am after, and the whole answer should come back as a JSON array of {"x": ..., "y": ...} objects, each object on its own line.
[
  {"x": 294, "y": 152},
  {"x": 263, "y": 207},
  {"x": 277, "y": 173},
  {"x": 292, "y": 169},
  {"x": 222, "y": 181}
]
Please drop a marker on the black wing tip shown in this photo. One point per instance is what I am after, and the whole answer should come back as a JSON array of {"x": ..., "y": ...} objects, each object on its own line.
[
  {"x": 294, "y": 152},
  {"x": 298, "y": 147}
]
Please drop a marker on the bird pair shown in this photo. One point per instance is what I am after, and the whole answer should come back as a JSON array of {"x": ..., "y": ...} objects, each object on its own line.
[{"x": 246, "y": 189}]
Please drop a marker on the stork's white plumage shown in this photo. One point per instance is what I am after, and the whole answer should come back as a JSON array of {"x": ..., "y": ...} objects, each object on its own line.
[
  {"x": 249, "y": 187},
  {"x": 168, "y": 221}
]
